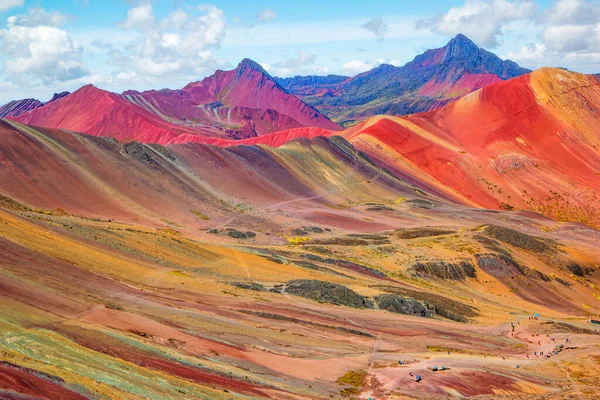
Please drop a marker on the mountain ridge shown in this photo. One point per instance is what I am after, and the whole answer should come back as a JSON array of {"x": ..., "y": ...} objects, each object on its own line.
[
  {"x": 17, "y": 107},
  {"x": 241, "y": 103},
  {"x": 431, "y": 79}
]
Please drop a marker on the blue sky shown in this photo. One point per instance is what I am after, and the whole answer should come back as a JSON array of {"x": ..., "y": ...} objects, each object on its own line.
[{"x": 49, "y": 46}]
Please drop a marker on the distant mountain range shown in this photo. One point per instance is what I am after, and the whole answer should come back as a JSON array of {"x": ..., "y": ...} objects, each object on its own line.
[
  {"x": 242, "y": 103},
  {"x": 18, "y": 107},
  {"x": 431, "y": 80},
  {"x": 247, "y": 102}
]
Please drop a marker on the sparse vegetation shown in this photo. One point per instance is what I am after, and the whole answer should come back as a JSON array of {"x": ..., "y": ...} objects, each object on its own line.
[
  {"x": 414, "y": 233},
  {"x": 354, "y": 379},
  {"x": 199, "y": 214}
]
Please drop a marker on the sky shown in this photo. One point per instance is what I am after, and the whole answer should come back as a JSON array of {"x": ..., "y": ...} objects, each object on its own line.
[{"x": 48, "y": 46}]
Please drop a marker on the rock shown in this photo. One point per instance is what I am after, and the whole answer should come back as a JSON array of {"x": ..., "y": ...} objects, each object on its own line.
[
  {"x": 298, "y": 232},
  {"x": 137, "y": 151},
  {"x": 501, "y": 265},
  {"x": 518, "y": 239},
  {"x": 578, "y": 270},
  {"x": 327, "y": 292},
  {"x": 233, "y": 233},
  {"x": 403, "y": 305},
  {"x": 249, "y": 286},
  {"x": 414, "y": 233},
  {"x": 442, "y": 269}
]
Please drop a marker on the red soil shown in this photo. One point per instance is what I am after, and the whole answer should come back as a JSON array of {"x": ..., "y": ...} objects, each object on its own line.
[{"x": 22, "y": 381}]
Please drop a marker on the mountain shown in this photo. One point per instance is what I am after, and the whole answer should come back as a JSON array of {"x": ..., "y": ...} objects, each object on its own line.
[
  {"x": 526, "y": 143},
  {"x": 312, "y": 84},
  {"x": 431, "y": 80},
  {"x": 17, "y": 107},
  {"x": 134, "y": 270},
  {"x": 241, "y": 103}
]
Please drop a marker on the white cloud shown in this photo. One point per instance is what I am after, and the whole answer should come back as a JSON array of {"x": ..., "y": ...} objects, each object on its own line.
[
  {"x": 564, "y": 12},
  {"x": 182, "y": 43},
  {"x": 481, "y": 20},
  {"x": 572, "y": 26},
  {"x": 140, "y": 17},
  {"x": 357, "y": 66},
  {"x": 566, "y": 38},
  {"x": 8, "y": 4},
  {"x": 266, "y": 15},
  {"x": 376, "y": 26},
  {"x": 37, "y": 50},
  {"x": 531, "y": 52},
  {"x": 38, "y": 16}
]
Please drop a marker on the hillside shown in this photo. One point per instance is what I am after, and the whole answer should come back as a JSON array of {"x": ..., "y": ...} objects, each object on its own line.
[
  {"x": 526, "y": 143},
  {"x": 302, "y": 271}
]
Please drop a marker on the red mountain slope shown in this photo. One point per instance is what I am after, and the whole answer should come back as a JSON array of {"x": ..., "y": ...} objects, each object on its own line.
[
  {"x": 530, "y": 142},
  {"x": 250, "y": 86},
  {"x": 100, "y": 113}
]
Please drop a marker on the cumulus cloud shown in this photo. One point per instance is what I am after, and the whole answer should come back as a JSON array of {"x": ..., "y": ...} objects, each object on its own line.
[
  {"x": 357, "y": 66},
  {"x": 37, "y": 49},
  {"x": 377, "y": 27},
  {"x": 266, "y": 15},
  {"x": 8, "y": 4},
  {"x": 531, "y": 52},
  {"x": 182, "y": 43},
  {"x": 38, "y": 16},
  {"x": 572, "y": 26},
  {"x": 481, "y": 20},
  {"x": 566, "y": 12},
  {"x": 140, "y": 17}
]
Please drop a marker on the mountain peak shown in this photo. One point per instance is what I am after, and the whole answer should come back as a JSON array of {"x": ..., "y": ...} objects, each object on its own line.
[
  {"x": 460, "y": 38},
  {"x": 460, "y": 41},
  {"x": 248, "y": 64}
]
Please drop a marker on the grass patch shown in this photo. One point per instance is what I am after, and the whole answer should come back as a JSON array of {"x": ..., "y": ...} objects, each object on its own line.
[
  {"x": 354, "y": 379},
  {"x": 199, "y": 214}
]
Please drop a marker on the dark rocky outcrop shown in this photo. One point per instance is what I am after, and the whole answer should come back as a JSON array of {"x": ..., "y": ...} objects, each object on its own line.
[
  {"x": 518, "y": 239},
  {"x": 578, "y": 270},
  {"x": 491, "y": 244},
  {"x": 138, "y": 151},
  {"x": 326, "y": 292},
  {"x": 495, "y": 266},
  {"x": 403, "y": 305},
  {"x": 501, "y": 265},
  {"x": 419, "y": 203},
  {"x": 452, "y": 270},
  {"x": 234, "y": 233},
  {"x": 442, "y": 306},
  {"x": 414, "y": 233},
  {"x": 249, "y": 286}
]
